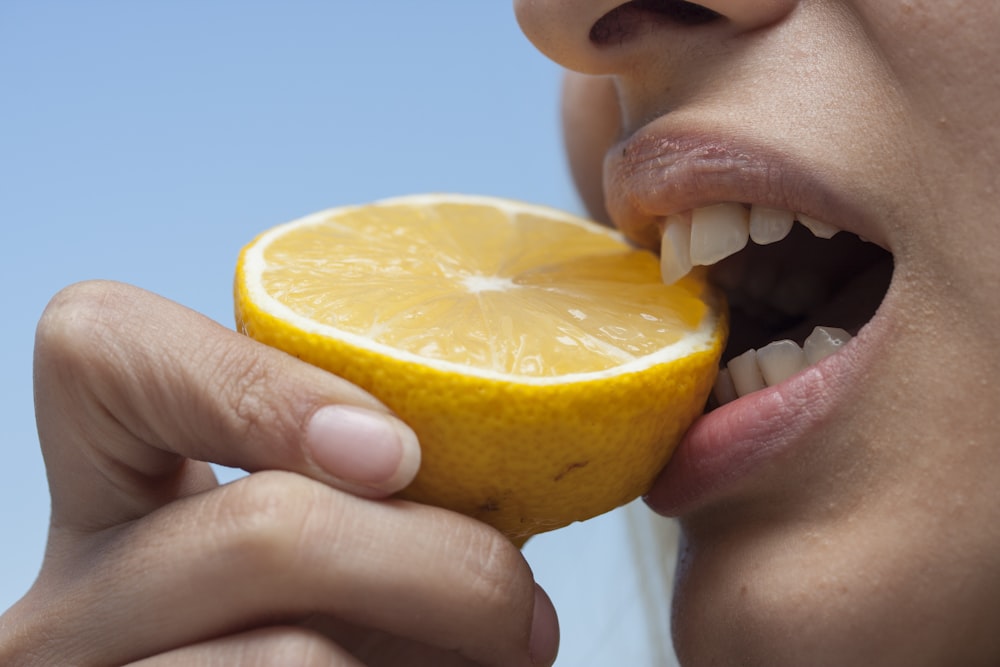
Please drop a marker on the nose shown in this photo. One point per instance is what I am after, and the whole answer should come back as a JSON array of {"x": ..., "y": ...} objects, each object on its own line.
[{"x": 604, "y": 36}]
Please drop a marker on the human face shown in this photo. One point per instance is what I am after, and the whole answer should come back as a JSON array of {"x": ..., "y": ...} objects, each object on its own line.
[{"x": 846, "y": 515}]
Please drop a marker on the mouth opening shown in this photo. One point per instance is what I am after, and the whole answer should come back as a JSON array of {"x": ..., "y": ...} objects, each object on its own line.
[{"x": 780, "y": 292}]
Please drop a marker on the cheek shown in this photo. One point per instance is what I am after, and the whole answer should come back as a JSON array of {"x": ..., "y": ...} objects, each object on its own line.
[{"x": 943, "y": 56}]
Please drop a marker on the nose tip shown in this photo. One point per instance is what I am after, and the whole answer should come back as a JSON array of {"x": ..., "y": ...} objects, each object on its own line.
[
  {"x": 602, "y": 36},
  {"x": 560, "y": 29}
]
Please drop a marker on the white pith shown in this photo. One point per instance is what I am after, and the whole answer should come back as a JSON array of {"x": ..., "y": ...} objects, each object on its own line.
[{"x": 707, "y": 235}]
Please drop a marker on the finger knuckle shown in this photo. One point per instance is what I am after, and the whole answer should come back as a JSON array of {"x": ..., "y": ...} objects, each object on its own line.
[
  {"x": 75, "y": 324},
  {"x": 262, "y": 522},
  {"x": 244, "y": 377}
]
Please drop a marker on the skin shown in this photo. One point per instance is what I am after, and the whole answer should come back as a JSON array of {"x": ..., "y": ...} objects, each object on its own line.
[
  {"x": 303, "y": 562},
  {"x": 874, "y": 543},
  {"x": 873, "y": 540}
]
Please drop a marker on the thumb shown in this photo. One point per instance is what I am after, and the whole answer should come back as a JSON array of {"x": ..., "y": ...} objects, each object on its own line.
[{"x": 130, "y": 387}]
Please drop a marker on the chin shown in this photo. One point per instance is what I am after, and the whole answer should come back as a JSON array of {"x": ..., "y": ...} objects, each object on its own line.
[{"x": 765, "y": 589}]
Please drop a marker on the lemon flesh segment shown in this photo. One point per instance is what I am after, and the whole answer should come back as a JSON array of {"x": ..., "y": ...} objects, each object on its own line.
[{"x": 544, "y": 366}]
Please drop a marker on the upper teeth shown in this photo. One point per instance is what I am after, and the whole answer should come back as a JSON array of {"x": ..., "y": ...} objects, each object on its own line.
[
  {"x": 768, "y": 225},
  {"x": 709, "y": 234},
  {"x": 717, "y": 232}
]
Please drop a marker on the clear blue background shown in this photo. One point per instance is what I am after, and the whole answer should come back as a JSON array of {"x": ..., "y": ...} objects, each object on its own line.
[{"x": 147, "y": 141}]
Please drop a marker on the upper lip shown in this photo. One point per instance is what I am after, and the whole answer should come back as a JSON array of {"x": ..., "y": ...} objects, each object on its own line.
[{"x": 660, "y": 170}]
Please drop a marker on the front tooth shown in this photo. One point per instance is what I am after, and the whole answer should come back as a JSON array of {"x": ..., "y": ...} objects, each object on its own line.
[
  {"x": 717, "y": 232},
  {"x": 780, "y": 360},
  {"x": 820, "y": 229},
  {"x": 824, "y": 341},
  {"x": 745, "y": 373},
  {"x": 675, "y": 250},
  {"x": 769, "y": 225}
]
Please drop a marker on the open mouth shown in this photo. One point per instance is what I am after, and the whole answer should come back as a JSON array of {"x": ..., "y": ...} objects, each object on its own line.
[{"x": 798, "y": 288}]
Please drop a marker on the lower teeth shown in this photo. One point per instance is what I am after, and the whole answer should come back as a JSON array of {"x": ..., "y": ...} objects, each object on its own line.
[
  {"x": 823, "y": 342},
  {"x": 776, "y": 362},
  {"x": 780, "y": 360}
]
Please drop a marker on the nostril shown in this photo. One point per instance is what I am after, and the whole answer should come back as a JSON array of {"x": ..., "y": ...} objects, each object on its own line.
[{"x": 629, "y": 19}]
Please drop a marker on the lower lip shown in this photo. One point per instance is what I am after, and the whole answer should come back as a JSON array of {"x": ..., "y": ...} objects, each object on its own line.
[{"x": 726, "y": 446}]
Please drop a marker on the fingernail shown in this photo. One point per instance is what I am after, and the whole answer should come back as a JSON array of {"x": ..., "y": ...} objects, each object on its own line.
[
  {"x": 544, "y": 643},
  {"x": 359, "y": 445}
]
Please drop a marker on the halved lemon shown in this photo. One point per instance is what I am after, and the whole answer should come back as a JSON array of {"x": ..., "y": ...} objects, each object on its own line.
[{"x": 544, "y": 366}]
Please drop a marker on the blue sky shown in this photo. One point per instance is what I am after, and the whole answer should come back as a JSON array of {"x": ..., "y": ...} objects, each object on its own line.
[{"x": 146, "y": 142}]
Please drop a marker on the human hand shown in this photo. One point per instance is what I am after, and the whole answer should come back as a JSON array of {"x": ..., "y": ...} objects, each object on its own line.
[{"x": 305, "y": 561}]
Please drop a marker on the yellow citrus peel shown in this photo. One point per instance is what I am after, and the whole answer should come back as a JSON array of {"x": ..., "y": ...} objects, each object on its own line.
[{"x": 546, "y": 369}]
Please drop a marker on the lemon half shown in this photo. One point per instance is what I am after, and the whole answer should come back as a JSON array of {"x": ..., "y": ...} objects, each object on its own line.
[{"x": 546, "y": 369}]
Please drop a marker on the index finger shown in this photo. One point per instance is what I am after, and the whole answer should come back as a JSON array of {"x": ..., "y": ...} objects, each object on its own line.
[{"x": 129, "y": 387}]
